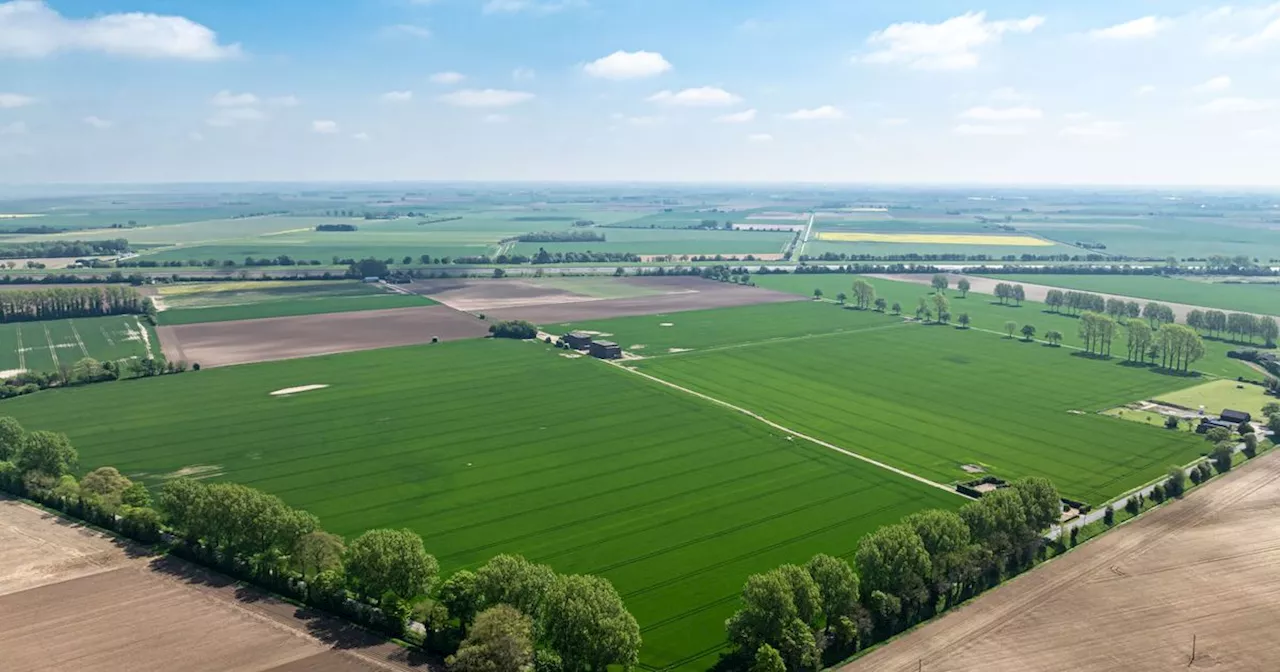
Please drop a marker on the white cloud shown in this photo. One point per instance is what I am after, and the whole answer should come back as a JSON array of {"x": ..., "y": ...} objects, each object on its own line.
[
  {"x": 531, "y": 6},
  {"x": 989, "y": 129},
  {"x": 486, "y": 98},
  {"x": 1261, "y": 39},
  {"x": 284, "y": 101},
  {"x": 1220, "y": 83},
  {"x": 496, "y": 119},
  {"x": 14, "y": 128},
  {"x": 953, "y": 44},
  {"x": 636, "y": 121},
  {"x": 361, "y": 136},
  {"x": 706, "y": 96},
  {"x": 98, "y": 122},
  {"x": 895, "y": 121},
  {"x": 32, "y": 29},
  {"x": 1007, "y": 94},
  {"x": 1144, "y": 90},
  {"x": 232, "y": 116},
  {"x": 408, "y": 30},
  {"x": 447, "y": 78},
  {"x": 984, "y": 113},
  {"x": 1096, "y": 129},
  {"x": 628, "y": 65},
  {"x": 760, "y": 137},
  {"x": 1147, "y": 26},
  {"x": 524, "y": 74},
  {"x": 737, "y": 117},
  {"x": 225, "y": 98},
  {"x": 1236, "y": 106},
  {"x": 825, "y": 113},
  {"x": 397, "y": 96},
  {"x": 9, "y": 101},
  {"x": 1077, "y": 116},
  {"x": 324, "y": 126}
]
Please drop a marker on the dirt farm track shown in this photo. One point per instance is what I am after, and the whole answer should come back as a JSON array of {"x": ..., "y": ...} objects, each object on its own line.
[
  {"x": 1131, "y": 600},
  {"x": 72, "y": 599}
]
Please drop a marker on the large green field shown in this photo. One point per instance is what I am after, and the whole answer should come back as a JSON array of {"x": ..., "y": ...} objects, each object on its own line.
[
  {"x": 226, "y": 301},
  {"x": 1251, "y": 298},
  {"x": 676, "y": 242},
  {"x": 46, "y": 346},
  {"x": 989, "y": 314},
  {"x": 930, "y": 399},
  {"x": 489, "y": 447}
]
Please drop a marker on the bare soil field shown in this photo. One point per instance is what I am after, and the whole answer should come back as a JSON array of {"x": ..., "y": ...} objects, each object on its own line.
[
  {"x": 1034, "y": 292},
  {"x": 480, "y": 295},
  {"x": 1207, "y": 566},
  {"x": 678, "y": 294},
  {"x": 274, "y": 338},
  {"x": 140, "y": 613}
]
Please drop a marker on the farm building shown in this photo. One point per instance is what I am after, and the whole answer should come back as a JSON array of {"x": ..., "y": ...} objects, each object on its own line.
[
  {"x": 1207, "y": 424},
  {"x": 1235, "y": 417},
  {"x": 578, "y": 340},
  {"x": 606, "y": 350}
]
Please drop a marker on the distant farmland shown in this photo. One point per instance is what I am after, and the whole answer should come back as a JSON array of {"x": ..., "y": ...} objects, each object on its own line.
[
  {"x": 499, "y": 447},
  {"x": 227, "y": 301},
  {"x": 46, "y": 346},
  {"x": 1250, "y": 298}
]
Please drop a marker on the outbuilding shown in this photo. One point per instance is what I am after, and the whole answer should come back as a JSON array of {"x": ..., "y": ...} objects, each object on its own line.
[
  {"x": 1235, "y": 417},
  {"x": 1207, "y": 424},
  {"x": 578, "y": 340},
  {"x": 606, "y": 350}
]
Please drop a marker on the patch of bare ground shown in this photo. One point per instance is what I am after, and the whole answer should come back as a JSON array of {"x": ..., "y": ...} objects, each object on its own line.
[
  {"x": 274, "y": 338},
  {"x": 481, "y": 295},
  {"x": 142, "y": 613},
  {"x": 1206, "y": 567},
  {"x": 677, "y": 294}
]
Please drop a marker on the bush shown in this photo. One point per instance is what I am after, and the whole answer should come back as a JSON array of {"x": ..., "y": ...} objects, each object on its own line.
[
  {"x": 1250, "y": 446},
  {"x": 1109, "y": 518},
  {"x": 1171, "y": 422},
  {"x": 435, "y": 340},
  {"x": 518, "y": 329},
  {"x": 1075, "y": 536},
  {"x": 195, "y": 366},
  {"x": 1221, "y": 457},
  {"x": 1157, "y": 494},
  {"x": 1177, "y": 482},
  {"x": 1196, "y": 478},
  {"x": 1132, "y": 506}
]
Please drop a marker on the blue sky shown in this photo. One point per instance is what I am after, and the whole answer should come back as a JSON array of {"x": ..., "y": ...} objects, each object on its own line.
[{"x": 1083, "y": 92}]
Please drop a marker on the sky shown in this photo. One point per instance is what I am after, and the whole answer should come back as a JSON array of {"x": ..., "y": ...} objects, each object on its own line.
[{"x": 1094, "y": 92}]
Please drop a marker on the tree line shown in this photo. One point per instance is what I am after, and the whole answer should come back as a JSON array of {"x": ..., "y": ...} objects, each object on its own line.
[
  {"x": 1238, "y": 326},
  {"x": 337, "y": 227},
  {"x": 56, "y": 303},
  {"x": 64, "y": 248},
  {"x": 560, "y": 237},
  {"x": 802, "y": 617},
  {"x": 509, "y": 614}
]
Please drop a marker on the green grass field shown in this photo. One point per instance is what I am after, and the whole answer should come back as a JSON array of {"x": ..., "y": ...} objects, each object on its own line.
[
  {"x": 986, "y": 313},
  {"x": 1250, "y": 298},
  {"x": 45, "y": 346},
  {"x": 491, "y": 446},
  {"x": 668, "y": 241},
  {"x": 930, "y": 399},
  {"x": 1221, "y": 394},
  {"x": 226, "y": 301}
]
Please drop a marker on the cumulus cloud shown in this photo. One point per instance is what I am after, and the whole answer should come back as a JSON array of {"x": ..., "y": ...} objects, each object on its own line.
[
  {"x": 705, "y": 96},
  {"x": 324, "y": 126},
  {"x": 32, "y": 29},
  {"x": 759, "y": 137},
  {"x": 1137, "y": 29},
  {"x": 984, "y": 113},
  {"x": 98, "y": 122},
  {"x": 1096, "y": 129},
  {"x": 9, "y": 101},
  {"x": 628, "y": 65},
  {"x": 989, "y": 129},
  {"x": 397, "y": 96},
  {"x": 1237, "y": 106},
  {"x": 1220, "y": 83},
  {"x": 486, "y": 98},
  {"x": 826, "y": 112},
  {"x": 225, "y": 98},
  {"x": 737, "y": 117},
  {"x": 1252, "y": 41},
  {"x": 447, "y": 78},
  {"x": 954, "y": 44}
]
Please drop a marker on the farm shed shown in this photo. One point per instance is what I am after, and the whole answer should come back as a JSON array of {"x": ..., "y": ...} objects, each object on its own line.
[
  {"x": 578, "y": 340},
  {"x": 1207, "y": 424},
  {"x": 1235, "y": 417},
  {"x": 606, "y": 350}
]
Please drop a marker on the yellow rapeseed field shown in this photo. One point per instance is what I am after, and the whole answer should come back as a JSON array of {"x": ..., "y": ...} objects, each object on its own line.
[{"x": 933, "y": 239}]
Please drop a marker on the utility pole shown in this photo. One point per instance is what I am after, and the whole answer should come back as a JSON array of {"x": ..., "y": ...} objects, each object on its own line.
[{"x": 1193, "y": 651}]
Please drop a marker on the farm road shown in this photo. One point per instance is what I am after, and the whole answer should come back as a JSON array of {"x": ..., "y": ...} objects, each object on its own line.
[
  {"x": 1206, "y": 566},
  {"x": 1034, "y": 292}
]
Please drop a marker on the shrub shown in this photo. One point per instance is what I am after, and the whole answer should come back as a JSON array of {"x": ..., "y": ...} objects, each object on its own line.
[
  {"x": 1177, "y": 482},
  {"x": 1196, "y": 478},
  {"x": 1171, "y": 422},
  {"x": 1132, "y": 506},
  {"x": 518, "y": 329},
  {"x": 435, "y": 339},
  {"x": 1109, "y": 518},
  {"x": 195, "y": 366},
  {"x": 1075, "y": 536},
  {"x": 1221, "y": 457},
  {"x": 1250, "y": 446},
  {"x": 1157, "y": 494}
]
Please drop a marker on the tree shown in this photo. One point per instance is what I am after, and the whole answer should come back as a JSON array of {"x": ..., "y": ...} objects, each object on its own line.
[
  {"x": 390, "y": 560},
  {"x": 768, "y": 660},
  {"x": 963, "y": 286},
  {"x": 1041, "y": 501},
  {"x": 105, "y": 487},
  {"x": 893, "y": 560},
  {"x": 946, "y": 539},
  {"x": 804, "y": 593},
  {"x": 500, "y": 640},
  {"x": 1028, "y": 332},
  {"x": 963, "y": 320},
  {"x": 841, "y": 298},
  {"x": 1109, "y": 517},
  {"x": 136, "y": 495},
  {"x": 11, "y": 434},
  {"x": 1271, "y": 408},
  {"x": 1054, "y": 337},
  {"x": 589, "y": 627},
  {"x": 317, "y": 551},
  {"x": 896, "y": 308},
  {"x": 513, "y": 580},
  {"x": 1251, "y": 445},
  {"x": 817, "y": 293},
  {"x": 368, "y": 268},
  {"x": 864, "y": 293},
  {"x": 922, "y": 307},
  {"x": 881, "y": 304},
  {"x": 1217, "y": 435},
  {"x": 1221, "y": 456},
  {"x": 1010, "y": 327},
  {"x": 769, "y": 616},
  {"x": 1151, "y": 312},
  {"x": 1019, "y": 294},
  {"x": 940, "y": 283},
  {"x": 1176, "y": 483},
  {"x": 1268, "y": 330},
  {"x": 1196, "y": 319},
  {"x": 516, "y": 329},
  {"x": 461, "y": 596},
  {"x": 1140, "y": 340},
  {"x": 941, "y": 305},
  {"x": 837, "y": 587},
  {"x": 1054, "y": 299},
  {"x": 49, "y": 453}
]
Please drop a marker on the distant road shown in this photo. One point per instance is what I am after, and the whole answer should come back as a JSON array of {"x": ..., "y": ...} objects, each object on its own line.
[{"x": 984, "y": 285}]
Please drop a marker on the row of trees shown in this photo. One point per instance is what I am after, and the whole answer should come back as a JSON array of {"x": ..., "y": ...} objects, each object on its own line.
[
  {"x": 1009, "y": 292},
  {"x": 517, "y": 329},
  {"x": 561, "y": 237},
  {"x": 64, "y": 248},
  {"x": 513, "y": 613},
  {"x": 1239, "y": 326},
  {"x": 63, "y": 302},
  {"x": 797, "y": 617}
]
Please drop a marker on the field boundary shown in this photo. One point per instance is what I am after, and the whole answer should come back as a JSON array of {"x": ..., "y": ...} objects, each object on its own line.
[
  {"x": 756, "y": 416},
  {"x": 53, "y": 351},
  {"x": 79, "y": 341}
]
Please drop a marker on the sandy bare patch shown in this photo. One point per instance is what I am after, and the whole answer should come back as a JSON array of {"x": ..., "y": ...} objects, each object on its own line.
[
  {"x": 675, "y": 351},
  {"x": 638, "y": 346},
  {"x": 571, "y": 355},
  {"x": 196, "y": 471},
  {"x": 667, "y": 324},
  {"x": 9, "y": 373},
  {"x": 294, "y": 390},
  {"x": 973, "y": 468}
]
